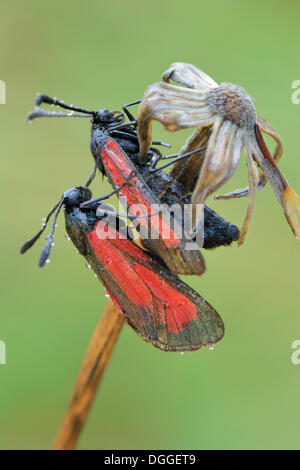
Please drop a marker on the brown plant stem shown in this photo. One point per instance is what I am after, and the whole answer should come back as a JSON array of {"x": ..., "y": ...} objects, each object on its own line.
[{"x": 95, "y": 360}]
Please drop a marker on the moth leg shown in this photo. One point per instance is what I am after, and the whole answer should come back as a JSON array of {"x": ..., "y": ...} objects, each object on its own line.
[
  {"x": 128, "y": 113},
  {"x": 92, "y": 176}
]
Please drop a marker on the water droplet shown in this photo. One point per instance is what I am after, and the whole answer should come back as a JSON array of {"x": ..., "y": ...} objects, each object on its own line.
[
  {"x": 47, "y": 261},
  {"x": 52, "y": 244},
  {"x": 211, "y": 348},
  {"x": 88, "y": 265},
  {"x": 44, "y": 219},
  {"x": 106, "y": 293},
  {"x": 182, "y": 353},
  {"x": 95, "y": 275},
  {"x": 29, "y": 121}
]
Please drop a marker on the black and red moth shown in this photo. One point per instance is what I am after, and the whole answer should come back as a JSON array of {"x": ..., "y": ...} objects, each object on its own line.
[
  {"x": 169, "y": 242},
  {"x": 161, "y": 308},
  {"x": 114, "y": 146}
]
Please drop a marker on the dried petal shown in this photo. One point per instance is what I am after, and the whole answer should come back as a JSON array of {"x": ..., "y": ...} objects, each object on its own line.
[
  {"x": 286, "y": 196},
  {"x": 175, "y": 107},
  {"x": 186, "y": 172},
  {"x": 221, "y": 159},
  {"x": 253, "y": 180},
  {"x": 291, "y": 207},
  {"x": 265, "y": 127},
  {"x": 242, "y": 192},
  {"x": 189, "y": 76}
]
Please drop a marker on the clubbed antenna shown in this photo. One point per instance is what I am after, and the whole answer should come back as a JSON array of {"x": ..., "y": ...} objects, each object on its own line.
[
  {"x": 114, "y": 119},
  {"x": 40, "y": 99},
  {"x": 47, "y": 248},
  {"x": 38, "y": 112},
  {"x": 32, "y": 240}
]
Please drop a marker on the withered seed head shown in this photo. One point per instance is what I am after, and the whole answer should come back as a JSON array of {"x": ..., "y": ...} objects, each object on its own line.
[
  {"x": 232, "y": 103},
  {"x": 227, "y": 112}
]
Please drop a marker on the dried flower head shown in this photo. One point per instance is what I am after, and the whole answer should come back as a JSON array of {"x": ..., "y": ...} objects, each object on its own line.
[{"x": 226, "y": 121}]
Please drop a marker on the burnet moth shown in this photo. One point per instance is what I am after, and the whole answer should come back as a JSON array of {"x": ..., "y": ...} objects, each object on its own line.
[
  {"x": 158, "y": 233},
  {"x": 114, "y": 145},
  {"x": 162, "y": 309}
]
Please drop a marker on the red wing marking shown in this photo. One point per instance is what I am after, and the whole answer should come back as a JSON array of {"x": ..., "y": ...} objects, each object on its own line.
[
  {"x": 141, "y": 282},
  {"x": 119, "y": 158},
  {"x": 119, "y": 168},
  {"x": 158, "y": 305},
  {"x": 114, "y": 261},
  {"x": 173, "y": 300}
]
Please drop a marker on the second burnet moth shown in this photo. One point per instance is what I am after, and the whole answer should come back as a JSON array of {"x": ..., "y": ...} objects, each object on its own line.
[
  {"x": 114, "y": 145},
  {"x": 162, "y": 309}
]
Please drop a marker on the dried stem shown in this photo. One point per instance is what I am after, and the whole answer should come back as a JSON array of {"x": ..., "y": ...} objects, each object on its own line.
[{"x": 95, "y": 360}]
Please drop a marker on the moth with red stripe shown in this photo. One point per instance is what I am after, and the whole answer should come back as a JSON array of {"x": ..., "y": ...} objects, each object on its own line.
[
  {"x": 161, "y": 308},
  {"x": 114, "y": 145}
]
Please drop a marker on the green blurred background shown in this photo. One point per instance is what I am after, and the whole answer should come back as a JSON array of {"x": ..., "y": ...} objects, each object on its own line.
[{"x": 245, "y": 392}]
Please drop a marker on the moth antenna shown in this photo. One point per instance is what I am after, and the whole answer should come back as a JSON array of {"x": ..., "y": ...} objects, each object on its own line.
[
  {"x": 39, "y": 112},
  {"x": 32, "y": 240},
  {"x": 40, "y": 98},
  {"x": 47, "y": 248}
]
